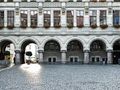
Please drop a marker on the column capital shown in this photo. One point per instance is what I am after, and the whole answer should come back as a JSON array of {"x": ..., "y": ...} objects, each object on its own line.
[
  {"x": 63, "y": 51},
  {"x": 17, "y": 51},
  {"x": 86, "y": 51},
  {"x": 109, "y": 50},
  {"x": 40, "y": 51}
]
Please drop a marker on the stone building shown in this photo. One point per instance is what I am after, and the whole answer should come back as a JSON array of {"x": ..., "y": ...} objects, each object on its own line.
[{"x": 78, "y": 31}]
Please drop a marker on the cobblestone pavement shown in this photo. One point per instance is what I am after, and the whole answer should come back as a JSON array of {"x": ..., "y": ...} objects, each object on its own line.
[{"x": 61, "y": 77}]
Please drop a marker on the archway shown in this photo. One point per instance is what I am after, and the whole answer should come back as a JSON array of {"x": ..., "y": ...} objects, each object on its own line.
[
  {"x": 98, "y": 53},
  {"x": 7, "y": 49},
  {"x": 29, "y": 46},
  {"x": 52, "y": 52},
  {"x": 75, "y": 52},
  {"x": 116, "y": 52}
]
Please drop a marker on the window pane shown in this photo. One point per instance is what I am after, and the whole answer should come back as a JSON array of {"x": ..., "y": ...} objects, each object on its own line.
[
  {"x": 1, "y": 0},
  {"x": 102, "y": 0},
  {"x": 23, "y": 20},
  {"x": 33, "y": 18},
  {"x": 47, "y": 18},
  {"x": 116, "y": 17},
  {"x": 69, "y": 18},
  {"x": 103, "y": 18},
  {"x": 57, "y": 18},
  {"x": 79, "y": 0},
  {"x": 1, "y": 18},
  {"x": 93, "y": 0},
  {"x": 9, "y": 0},
  {"x": 10, "y": 18},
  {"x": 116, "y": 0},
  {"x": 80, "y": 18},
  {"x": 24, "y": 0},
  {"x": 93, "y": 17}
]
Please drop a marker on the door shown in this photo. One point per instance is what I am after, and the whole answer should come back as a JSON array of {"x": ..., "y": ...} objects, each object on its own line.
[
  {"x": 52, "y": 59},
  {"x": 74, "y": 59}
]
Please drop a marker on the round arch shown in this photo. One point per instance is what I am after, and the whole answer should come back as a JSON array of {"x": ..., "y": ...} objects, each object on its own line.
[
  {"x": 28, "y": 39},
  {"x": 98, "y": 53},
  {"x": 59, "y": 41},
  {"x": 4, "y": 42},
  {"x": 52, "y": 52},
  {"x": 116, "y": 50},
  {"x": 96, "y": 39},
  {"x": 114, "y": 41},
  {"x": 75, "y": 52},
  {"x": 83, "y": 43},
  {"x": 10, "y": 40},
  {"x": 22, "y": 45}
]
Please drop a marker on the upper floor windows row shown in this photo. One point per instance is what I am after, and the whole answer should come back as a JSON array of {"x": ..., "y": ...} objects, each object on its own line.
[
  {"x": 55, "y": 19},
  {"x": 59, "y": 0}
]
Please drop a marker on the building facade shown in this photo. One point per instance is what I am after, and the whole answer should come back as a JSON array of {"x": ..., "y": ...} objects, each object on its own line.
[{"x": 78, "y": 31}]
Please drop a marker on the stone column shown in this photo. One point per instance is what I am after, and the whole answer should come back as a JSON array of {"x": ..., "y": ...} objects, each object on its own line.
[
  {"x": 17, "y": 57},
  {"x": 63, "y": 56},
  {"x": 86, "y": 56},
  {"x": 40, "y": 54},
  {"x": 109, "y": 56}
]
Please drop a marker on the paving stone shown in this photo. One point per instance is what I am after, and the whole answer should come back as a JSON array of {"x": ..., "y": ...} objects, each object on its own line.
[{"x": 61, "y": 77}]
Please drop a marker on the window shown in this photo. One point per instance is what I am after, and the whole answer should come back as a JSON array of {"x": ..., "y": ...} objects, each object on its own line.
[
  {"x": 93, "y": 17},
  {"x": 56, "y": 0},
  {"x": 57, "y": 18},
  {"x": 23, "y": 19},
  {"x": 69, "y": 18},
  {"x": 79, "y": 0},
  {"x": 1, "y": 0},
  {"x": 80, "y": 15},
  {"x": 116, "y": 17},
  {"x": 10, "y": 19},
  {"x": 102, "y": 0},
  {"x": 24, "y": 0},
  {"x": 103, "y": 17},
  {"x": 70, "y": 0},
  {"x": 116, "y": 0},
  {"x": 9, "y": 0},
  {"x": 93, "y": 0},
  {"x": 1, "y": 19},
  {"x": 47, "y": 0},
  {"x": 33, "y": 18},
  {"x": 33, "y": 1},
  {"x": 47, "y": 18}
]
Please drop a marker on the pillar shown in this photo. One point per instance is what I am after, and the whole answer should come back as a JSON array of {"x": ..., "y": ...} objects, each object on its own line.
[
  {"x": 109, "y": 56},
  {"x": 86, "y": 56},
  {"x": 17, "y": 15},
  {"x": 63, "y": 15},
  {"x": 40, "y": 15},
  {"x": 28, "y": 18},
  {"x": 5, "y": 18},
  {"x": 98, "y": 18},
  {"x": 52, "y": 17},
  {"x": 40, "y": 54},
  {"x": 63, "y": 56},
  {"x": 17, "y": 57},
  {"x": 75, "y": 20}
]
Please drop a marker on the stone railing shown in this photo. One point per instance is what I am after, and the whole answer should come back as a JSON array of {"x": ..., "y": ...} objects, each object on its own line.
[{"x": 52, "y": 4}]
